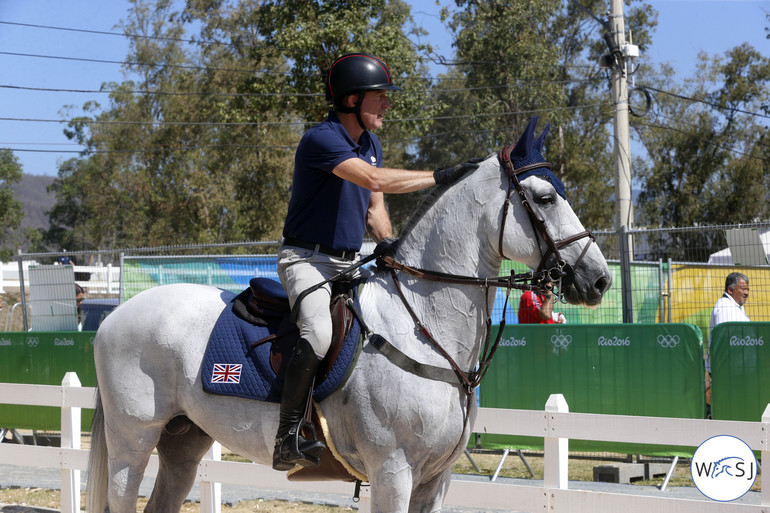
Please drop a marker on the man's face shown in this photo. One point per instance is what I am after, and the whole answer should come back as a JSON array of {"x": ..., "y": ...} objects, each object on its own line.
[
  {"x": 373, "y": 109},
  {"x": 740, "y": 292}
]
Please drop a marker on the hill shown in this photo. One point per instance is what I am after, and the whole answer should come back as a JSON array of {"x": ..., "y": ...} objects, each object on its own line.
[{"x": 35, "y": 198}]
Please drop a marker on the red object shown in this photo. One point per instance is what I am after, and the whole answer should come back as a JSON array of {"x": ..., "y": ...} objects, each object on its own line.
[{"x": 529, "y": 309}]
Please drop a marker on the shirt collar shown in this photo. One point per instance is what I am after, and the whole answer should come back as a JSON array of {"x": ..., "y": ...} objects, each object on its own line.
[
  {"x": 338, "y": 127},
  {"x": 731, "y": 298}
]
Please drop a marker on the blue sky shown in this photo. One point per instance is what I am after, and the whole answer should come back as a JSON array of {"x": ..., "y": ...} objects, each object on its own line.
[{"x": 685, "y": 27}]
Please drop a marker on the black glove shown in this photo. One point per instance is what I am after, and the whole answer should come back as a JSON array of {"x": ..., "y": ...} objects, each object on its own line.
[
  {"x": 450, "y": 174},
  {"x": 385, "y": 248}
]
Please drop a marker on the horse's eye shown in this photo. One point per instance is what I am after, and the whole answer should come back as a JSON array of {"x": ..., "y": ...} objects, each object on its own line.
[{"x": 547, "y": 199}]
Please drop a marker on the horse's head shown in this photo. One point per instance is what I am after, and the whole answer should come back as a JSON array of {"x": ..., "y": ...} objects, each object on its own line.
[{"x": 555, "y": 242}]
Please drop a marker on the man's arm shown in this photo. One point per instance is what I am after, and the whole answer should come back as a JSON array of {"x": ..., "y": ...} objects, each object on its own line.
[
  {"x": 546, "y": 308},
  {"x": 383, "y": 179},
  {"x": 377, "y": 218}
]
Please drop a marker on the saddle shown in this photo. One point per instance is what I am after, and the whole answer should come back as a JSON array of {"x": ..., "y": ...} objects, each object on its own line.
[{"x": 265, "y": 302}]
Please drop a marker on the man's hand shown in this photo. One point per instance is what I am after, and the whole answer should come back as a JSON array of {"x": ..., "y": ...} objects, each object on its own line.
[
  {"x": 385, "y": 248},
  {"x": 450, "y": 174}
]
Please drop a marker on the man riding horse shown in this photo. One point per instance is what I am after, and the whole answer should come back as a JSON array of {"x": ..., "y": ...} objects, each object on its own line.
[{"x": 337, "y": 193}]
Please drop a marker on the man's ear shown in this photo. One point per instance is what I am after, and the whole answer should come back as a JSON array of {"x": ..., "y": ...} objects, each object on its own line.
[{"x": 350, "y": 101}]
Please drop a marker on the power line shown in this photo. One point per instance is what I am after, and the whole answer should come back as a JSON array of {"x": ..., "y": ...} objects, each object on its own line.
[
  {"x": 117, "y": 34},
  {"x": 125, "y": 63},
  {"x": 722, "y": 146},
  {"x": 516, "y": 84},
  {"x": 291, "y": 123},
  {"x": 705, "y": 102},
  {"x": 159, "y": 93}
]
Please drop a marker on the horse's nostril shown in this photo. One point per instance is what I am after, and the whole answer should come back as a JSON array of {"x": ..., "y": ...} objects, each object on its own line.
[{"x": 602, "y": 284}]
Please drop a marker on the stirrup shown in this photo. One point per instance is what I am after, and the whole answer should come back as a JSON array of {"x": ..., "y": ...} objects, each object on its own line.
[{"x": 293, "y": 449}]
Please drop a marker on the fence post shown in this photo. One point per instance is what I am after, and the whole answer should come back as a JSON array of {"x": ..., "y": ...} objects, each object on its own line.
[
  {"x": 211, "y": 493},
  {"x": 626, "y": 256},
  {"x": 23, "y": 293},
  {"x": 556, "y": 450},
  {"x": 670, "y": 278},
  {"x": 70, "y": 439},
  {"x": 121, "y": 289},
  {"x": 764, "y": 498}
]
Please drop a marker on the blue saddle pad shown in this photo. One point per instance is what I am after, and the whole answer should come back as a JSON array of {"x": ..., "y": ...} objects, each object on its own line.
[{"x": 232, "y": 366}]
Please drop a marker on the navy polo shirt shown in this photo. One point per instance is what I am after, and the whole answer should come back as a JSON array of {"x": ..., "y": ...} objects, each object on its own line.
[{"x": 324, "y": 208}]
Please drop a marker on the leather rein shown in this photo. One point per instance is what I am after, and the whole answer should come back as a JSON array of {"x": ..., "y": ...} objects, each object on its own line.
[{"x": 560, "y": 274}]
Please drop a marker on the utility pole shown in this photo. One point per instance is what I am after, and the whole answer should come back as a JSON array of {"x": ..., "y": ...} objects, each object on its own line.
[{"x": 624, "y": 209}]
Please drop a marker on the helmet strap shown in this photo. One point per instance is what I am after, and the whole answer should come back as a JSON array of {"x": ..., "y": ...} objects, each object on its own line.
[{"x": 356, "y": 108}]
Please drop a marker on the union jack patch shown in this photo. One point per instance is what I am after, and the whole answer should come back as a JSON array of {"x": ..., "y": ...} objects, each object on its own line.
[{"x": 226, "y": 373}]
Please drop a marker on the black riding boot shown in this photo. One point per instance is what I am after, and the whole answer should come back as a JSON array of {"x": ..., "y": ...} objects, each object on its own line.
[{"x": 291, "y": 448}]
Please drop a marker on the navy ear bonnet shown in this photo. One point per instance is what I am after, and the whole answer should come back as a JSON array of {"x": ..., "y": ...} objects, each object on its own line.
[{"x": 528, "y": 151}]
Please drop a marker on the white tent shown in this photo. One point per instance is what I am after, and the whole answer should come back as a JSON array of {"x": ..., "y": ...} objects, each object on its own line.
[{"x": 750, "y": 246}]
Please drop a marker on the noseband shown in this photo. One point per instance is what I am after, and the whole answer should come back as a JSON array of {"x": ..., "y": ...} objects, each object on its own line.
[{"x": 561, "y": 273}]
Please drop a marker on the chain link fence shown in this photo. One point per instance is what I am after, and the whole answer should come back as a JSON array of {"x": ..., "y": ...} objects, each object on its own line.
[{"x": 674, "y": 275}]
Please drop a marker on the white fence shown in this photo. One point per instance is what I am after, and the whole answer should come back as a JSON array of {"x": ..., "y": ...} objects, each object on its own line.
[
  {"x": 556, "y": 424},
  {"x": 101, "y": 279}
]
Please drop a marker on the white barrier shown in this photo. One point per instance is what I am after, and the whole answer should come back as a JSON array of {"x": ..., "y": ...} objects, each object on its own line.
[
  {"x": 102, "y": 279},
  {"x": 556, "y": 424}
]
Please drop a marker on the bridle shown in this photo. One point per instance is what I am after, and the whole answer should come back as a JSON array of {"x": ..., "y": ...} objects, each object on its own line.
[{"x": 561, "y": 273}]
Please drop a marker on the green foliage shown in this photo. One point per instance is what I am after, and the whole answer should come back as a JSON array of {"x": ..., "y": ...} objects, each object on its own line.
[
  {"x": 11, "y": 212},
  {"x": 708, "y": 153},
  {"x": 198, "y": 146}
]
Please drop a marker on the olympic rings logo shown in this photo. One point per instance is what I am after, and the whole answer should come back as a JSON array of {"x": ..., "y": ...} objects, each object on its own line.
[
  {"x": 668, "y": 341},
  {"x": 33, "y": 341},
  {"x": 561, "y": 341}
]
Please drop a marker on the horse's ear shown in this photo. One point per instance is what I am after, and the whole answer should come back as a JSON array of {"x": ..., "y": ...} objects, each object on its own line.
[
  {"x": 526, "y": 141},
  {"x": 540, "y": 142}
]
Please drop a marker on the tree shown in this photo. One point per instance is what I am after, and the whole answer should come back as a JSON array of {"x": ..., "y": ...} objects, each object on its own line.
[
  {"x": 708, "y": 151},
  {"x": 706, "y": 145},
  {"x": 11, "y": 211},
  {"x": 199, "y": 147},
  {"x": 516, "y": 59}
]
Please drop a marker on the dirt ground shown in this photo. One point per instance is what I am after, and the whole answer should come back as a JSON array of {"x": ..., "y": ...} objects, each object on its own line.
[{"x": 580, "y": 469}]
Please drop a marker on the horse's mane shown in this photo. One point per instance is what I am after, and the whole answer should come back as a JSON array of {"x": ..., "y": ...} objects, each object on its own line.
[{"x": 427, "y": 202}]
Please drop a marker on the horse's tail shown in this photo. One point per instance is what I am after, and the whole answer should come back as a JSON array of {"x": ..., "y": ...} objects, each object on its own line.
[{"x": 97, "y": 463}]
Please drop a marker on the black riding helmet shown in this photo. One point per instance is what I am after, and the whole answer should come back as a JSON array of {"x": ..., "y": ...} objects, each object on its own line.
[{"x": 356, "y": 73}]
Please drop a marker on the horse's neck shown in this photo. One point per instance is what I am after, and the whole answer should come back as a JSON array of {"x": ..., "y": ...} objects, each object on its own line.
[{"x": 449, "y": 239}]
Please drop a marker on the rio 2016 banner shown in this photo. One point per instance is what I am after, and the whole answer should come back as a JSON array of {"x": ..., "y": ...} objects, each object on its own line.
[
  {"x": 43, "y": 358},
  {"x": 740, "y": 359},
  {"x": 646, "y": 370}
]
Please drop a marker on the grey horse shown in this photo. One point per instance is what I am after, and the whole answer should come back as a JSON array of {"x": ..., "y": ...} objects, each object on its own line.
[{"x": 396, "y": 429}]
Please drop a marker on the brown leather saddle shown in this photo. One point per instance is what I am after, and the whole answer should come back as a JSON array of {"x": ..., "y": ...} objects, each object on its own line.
[{"x": 266, "y": 302}]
